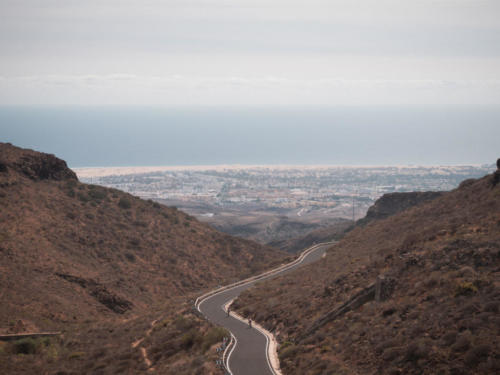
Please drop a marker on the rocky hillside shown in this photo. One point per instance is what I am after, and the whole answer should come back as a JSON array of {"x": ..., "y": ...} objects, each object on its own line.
[
  {"x": 387, "y": 205},
  {"x": 416, "y": 293},
  {"x": 72, "y": 254},
  {"x": 329, "y": 233},
  {"x": 393, "y": 203}
]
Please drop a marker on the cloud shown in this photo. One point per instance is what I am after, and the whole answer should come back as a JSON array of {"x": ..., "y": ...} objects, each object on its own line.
[
  {"x": 195, "y": 90},
  {"x": 248, "y": 51},
  {"x": 133, "y": 80}
]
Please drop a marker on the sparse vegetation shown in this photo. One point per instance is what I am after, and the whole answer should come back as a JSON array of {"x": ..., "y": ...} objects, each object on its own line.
[
  {"x": 212, "y": 337},
  {"x": 130, "y": 257},
  {"x": 465, "y": 289},
  {"x": 84, "y": 198},
  {"x": 76, "y": 355},
  {"x": 101, "y": 271},
  {"x": 443, "y": 256},
  {"x": 97, "y": 193},
  {"x": 124, "y": 203},
  {"x": 31, "y": 346},
  {"x": 25, "y": 346}
]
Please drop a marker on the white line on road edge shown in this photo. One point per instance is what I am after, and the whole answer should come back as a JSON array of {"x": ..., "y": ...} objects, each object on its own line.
[
  {"x": 226, "y": 362},
  {"x": 271, "y": 343},
  {"x": 270, "y": 338},
  {"x": 283, "y": 267}
]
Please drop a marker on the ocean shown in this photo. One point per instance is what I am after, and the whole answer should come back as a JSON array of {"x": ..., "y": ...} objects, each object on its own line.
[{"x": 89, "y": 137}]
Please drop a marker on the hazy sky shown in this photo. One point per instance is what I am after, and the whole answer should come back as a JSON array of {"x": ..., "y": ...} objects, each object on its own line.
[{"x": 172, "y": 53}]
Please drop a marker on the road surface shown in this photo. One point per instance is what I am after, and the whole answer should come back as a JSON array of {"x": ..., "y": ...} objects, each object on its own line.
[{"x": 249, "y": 357}]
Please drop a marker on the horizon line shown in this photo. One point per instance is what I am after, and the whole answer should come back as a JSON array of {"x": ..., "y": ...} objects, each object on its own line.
[{"x": 127, "y": 170}]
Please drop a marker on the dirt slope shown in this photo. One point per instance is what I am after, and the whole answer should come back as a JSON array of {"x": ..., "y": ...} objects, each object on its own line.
[
  {"x": 393, "y": 203},
  {"x": 438, "y": 312},
  {"x": 74, "y": 255},
  {"x": 387, "y": 205},
  {"x": 329, "y": 233}
]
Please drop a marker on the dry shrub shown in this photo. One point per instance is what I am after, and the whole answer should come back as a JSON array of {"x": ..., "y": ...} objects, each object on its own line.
[
  {"x": 492, "y": 306},
  {"x": 76, "y": 355},
  {"x": 465, "y": 289},
  {"x": 189, "y": 339},
  {"x": 25, "y": 346},
  {"x": 96, "y": 193},
  {"x": 213, "y": 336},
  {"x": 288, "y": 352},
  {"x": 477, "y": 354},
  {"x": 417, "y": 350},
  {"x": 386, "y": 344},
  {"x": 390, "y": 354},
  {"x": 449, "y": 338},
  {"x": 124, "y": 203},
  {"x": 461, "y": 345}
]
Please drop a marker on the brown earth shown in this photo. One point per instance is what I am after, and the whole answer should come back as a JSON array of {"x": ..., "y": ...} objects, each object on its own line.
[
  {"x": 393, "y": 203},
  {"x": 329, "y": 233},
  {"x": 387, "y": 205},
  {"x": 439, "y": 313},
  {"x": 90, "y": 261}
]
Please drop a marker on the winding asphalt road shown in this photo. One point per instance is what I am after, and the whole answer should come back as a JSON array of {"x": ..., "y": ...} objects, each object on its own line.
[{"x": 249, "y": 357}]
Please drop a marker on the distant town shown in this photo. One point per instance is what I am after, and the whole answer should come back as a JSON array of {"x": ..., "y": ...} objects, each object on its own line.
[{"x": 293, "y": 191}]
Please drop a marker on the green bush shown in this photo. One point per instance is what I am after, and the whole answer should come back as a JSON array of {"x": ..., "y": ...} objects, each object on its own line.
[
  {"x": 25, "y": 346},
  {"x": 97, "y": 194},
  {"x": 30, "y": 346}
]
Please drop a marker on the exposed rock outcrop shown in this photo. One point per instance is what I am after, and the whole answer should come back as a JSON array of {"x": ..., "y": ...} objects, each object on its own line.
[
  {"x": 32, "y": 164},
  {"x": 393, "y": 203},
  {"x": 496, "y": 175},
  {"x": 113, "y": 302}
]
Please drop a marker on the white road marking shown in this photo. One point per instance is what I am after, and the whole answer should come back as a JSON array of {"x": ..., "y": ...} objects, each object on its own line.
[{"x": 275, "y": 271}]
